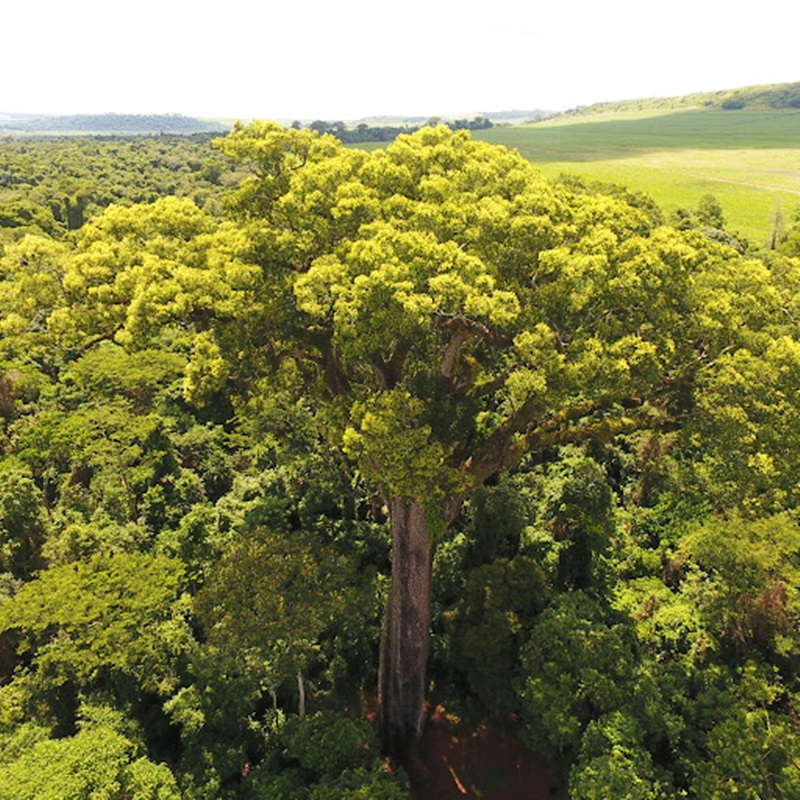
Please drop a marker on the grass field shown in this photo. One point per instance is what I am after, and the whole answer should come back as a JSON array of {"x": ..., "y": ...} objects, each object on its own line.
[{"x": 749, "y": 160}]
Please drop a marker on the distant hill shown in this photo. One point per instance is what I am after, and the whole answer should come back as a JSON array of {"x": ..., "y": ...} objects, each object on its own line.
[
  {"x": 760, "y": 98},
  {"x": 149, "y": 124},
  {"x": 740, "y": 146},
  {"x": 120, "y": 124}
]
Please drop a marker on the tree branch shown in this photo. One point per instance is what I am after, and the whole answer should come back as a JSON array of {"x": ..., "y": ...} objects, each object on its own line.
[
  {"x": 550, "y": 435},
  {"x": 328, "y": 362},
  {"x": 335, "y": 378},
  {"x": 490, "y": 457},
  {"x": 463, "y": 330},
  {"x": 474, "y": 328},
  {"x": 390, "y": 371},
  {"x": 521, "y": 434},
  {"x": 102, "y": 337},
  {"x": 452, "y": 351}
]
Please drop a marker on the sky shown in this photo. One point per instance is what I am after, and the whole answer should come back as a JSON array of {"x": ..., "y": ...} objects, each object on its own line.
[{"x": 351, "y": 59}]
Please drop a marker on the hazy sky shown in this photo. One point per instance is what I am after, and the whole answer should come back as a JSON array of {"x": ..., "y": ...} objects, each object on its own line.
[{"x": 353, "y": 58}]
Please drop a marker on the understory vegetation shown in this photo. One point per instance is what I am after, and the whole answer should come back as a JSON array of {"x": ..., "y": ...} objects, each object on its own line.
[{"x": 240, "y": 383}]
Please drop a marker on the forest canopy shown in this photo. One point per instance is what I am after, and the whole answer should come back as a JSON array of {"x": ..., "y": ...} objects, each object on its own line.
[{"x": 288, "y": 426}]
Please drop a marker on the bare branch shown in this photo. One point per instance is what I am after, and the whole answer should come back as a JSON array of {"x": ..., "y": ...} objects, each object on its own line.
[
  {"x": 491, "y": 456},
  {"x": 463, "y": 330},
  {"x": 475, "y": 328},
  {"x": 328, "y": 363},
  {"x": 103, "y": 337},
  {"x": 389, "y": 371},
  {"x": 452, "y": 351},
  {"x": 301, "y": 355}
]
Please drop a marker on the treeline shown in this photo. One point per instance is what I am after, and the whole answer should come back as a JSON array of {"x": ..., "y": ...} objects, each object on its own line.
[
  {"x": 114, "y": 124},
  {"x": 363, "y": 132},
  {"x": 219, "y": 404}
]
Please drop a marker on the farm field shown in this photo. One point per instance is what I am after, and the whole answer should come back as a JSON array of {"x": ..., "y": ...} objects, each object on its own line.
[{"x": 749, "y": 160}]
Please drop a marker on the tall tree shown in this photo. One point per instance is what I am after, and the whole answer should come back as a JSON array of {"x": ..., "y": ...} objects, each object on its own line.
[
  {"x": 459, "y": 311},
  {"x": 450, "y": 311}
]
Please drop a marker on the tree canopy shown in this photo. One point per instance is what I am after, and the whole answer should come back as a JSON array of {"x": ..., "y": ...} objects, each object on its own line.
[{"x": 549, "y": 434}]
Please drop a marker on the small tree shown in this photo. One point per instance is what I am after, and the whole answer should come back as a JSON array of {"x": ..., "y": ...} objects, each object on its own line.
[
  {"x": 709, "y": 212},
  {"x": 267, "y": 603}
]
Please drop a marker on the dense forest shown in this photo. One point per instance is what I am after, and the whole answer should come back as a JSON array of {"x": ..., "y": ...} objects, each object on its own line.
[
  {"x": 298, "y": 438},
  {"x": 52, "y": 186}
]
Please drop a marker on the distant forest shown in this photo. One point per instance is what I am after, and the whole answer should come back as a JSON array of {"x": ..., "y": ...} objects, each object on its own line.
[
  {"x": 155, "y": 124},
  {"x": 112, "y": 123},
  {"x": 363, "y": 132}
]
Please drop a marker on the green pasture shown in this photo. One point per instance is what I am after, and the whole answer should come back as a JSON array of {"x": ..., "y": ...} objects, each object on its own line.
[{"x": 749, "y": 160}]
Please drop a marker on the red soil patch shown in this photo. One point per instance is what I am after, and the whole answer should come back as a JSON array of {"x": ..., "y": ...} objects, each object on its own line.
[{"x": 491, "y": 763}]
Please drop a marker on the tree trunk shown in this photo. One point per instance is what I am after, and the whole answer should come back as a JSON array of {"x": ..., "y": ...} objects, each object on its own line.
[
  {"x": 406, "y": 631},
  {"x": 301, "y": 695}
]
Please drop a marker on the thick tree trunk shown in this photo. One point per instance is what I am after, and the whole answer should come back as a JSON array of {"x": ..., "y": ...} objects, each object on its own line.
[{"x": 406, "y": 631}]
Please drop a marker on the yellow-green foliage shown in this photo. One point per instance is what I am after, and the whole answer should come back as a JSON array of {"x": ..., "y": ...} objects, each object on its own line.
[
  {"x": 122, "y": 613},
  {"x": 98, "y": 762}
]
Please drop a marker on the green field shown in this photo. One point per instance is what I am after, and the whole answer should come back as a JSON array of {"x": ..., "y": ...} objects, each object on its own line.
[{"x": 749, "y": 160}]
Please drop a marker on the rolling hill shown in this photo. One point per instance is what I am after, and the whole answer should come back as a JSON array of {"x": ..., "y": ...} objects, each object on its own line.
[
  {"x": 117, "y": 124},
  {"x": 742, "y": 146}
]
